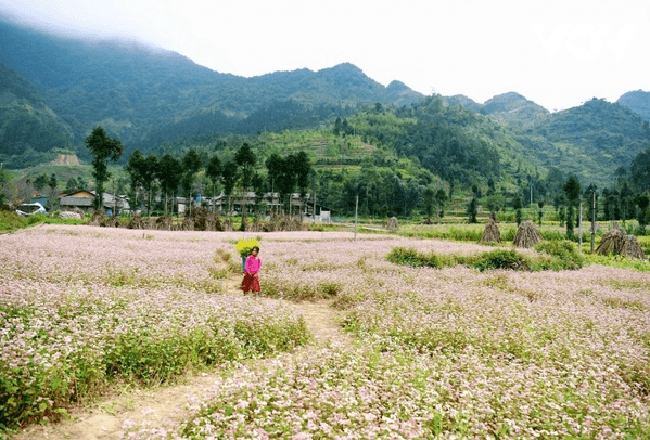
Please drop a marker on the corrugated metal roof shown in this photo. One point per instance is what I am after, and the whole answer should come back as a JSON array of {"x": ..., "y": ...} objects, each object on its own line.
[{"x": 76, "y": 201}]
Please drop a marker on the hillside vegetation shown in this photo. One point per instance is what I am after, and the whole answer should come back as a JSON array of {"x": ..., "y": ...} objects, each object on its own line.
[{"x": 55, "y": 90}]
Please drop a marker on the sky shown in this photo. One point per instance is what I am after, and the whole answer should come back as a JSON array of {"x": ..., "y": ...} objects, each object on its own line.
[{"x": 558, "y": 54}]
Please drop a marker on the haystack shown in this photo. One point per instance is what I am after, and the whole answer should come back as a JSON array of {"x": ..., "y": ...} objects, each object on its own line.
[
  {"x": 136, "y": 222},
  {"x": 187, "y": 224},
  {"x": 205, "y": 220},
  {"x": 226, "y": 225},
  {"x": 527, "y": 235},
  {"x": 256, "y": 226},
  {"x": 617, "y": 242},
  {"x": 164, "y": 223},
  {"x": 491, "y": 233},
  {"x": 392, "y": 224},
  {"x": 98, "y": 217},
  {"x": 110, "y": 222}
]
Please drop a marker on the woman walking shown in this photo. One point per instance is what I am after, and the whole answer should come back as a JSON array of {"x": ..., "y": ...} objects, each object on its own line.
[{"x": 252, "y": 267}]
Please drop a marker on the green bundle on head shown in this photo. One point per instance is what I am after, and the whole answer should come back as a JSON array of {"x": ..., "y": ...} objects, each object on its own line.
[{"x": 246, "y": 247}]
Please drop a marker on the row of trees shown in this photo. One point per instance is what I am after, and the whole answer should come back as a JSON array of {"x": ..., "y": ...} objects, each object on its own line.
[
  {"x": 381, "y": 190},
  {"x": 608, "y": 204},
  {"x": 172, "y": 176}
]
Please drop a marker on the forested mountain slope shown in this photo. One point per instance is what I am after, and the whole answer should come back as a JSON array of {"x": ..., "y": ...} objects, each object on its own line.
[
  {"x": 637, "y": 101},
  {"x": 134, "y": 92},
  {"x": 28, "y": 127},
  {"x": 591, "y": 140}
]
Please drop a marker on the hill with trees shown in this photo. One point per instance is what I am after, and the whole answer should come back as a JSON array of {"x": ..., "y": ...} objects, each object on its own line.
[
  {"x": 28, "y": 127},
  {"x": 638, "y": 101},
  {"x": 139, "y": 94},
  {"x": 590, "y": 141},
  {"x": 54, "y": 91}
]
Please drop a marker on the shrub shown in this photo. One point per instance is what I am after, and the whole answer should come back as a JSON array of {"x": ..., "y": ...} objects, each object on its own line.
[
  {"x": 500, "y": 259},
  {"x": 9, "y": 221},
  {"x": 413, "y": 258},
  {"x": 564, "y": 256}
]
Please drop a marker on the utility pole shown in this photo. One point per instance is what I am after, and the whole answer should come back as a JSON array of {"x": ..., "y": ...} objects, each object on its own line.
[{"x": 580, "y": 228}]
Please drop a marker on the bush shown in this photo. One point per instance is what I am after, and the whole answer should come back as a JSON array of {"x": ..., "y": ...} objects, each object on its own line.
[
  {"x": 411, "y": 257},
  {"x": 500, "y": 259},
  {"x": 563, "y": 255},
  {"x": 557, "y": 255},
  {"x": 9, "y": 221}
]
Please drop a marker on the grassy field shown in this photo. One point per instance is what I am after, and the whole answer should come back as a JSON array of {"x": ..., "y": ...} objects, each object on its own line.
[{"x": 459, "y": 351}]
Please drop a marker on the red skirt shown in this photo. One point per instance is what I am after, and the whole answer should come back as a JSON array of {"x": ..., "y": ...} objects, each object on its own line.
[{"x": 250, "y": 282}]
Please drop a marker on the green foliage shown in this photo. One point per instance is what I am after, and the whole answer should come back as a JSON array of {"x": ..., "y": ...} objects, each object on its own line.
[
  {"x": 10, "y": 222},
  {"x": 553, "y": 256},
  {"x": 436, "y": 135},
  {"x": 134, "y": 358},
  {"x": 500, "y": 259},
  {"x": 620, "y": 262},
  {"x": 413, "y": 258},
  {"x": 563, "y": 255},
  {"x": 103, "y": 149},
  {"x": 590, "y": 141},
  {"x": 301, "y": 291}
]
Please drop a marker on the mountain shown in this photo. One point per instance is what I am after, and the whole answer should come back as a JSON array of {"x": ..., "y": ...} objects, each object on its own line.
[
  {"x": 54, "y": 90},
  {"x": 591, "y": 140},
  {"x": 136, "y": 92},
  {"x": 638, "y": 101},
  {"x": 511, "y": 108},
  {"x": 28, "y": 127},
  {"x": 464, "y": 102}
]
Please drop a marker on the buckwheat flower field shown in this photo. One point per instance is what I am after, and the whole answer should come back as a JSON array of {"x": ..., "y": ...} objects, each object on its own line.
[{"x": 435, "y": 353}]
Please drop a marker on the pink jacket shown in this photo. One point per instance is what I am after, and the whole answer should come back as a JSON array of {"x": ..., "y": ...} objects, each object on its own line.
[{"x": 253, "y": 265}]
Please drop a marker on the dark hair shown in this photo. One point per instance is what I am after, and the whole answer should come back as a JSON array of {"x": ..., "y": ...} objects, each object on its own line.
[{"x": 256, "y": 248}]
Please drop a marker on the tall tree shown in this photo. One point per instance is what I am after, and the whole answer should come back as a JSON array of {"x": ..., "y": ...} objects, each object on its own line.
[
  {"x": 471, "y": 210},
  {"x": 41, "y": 182},
  {"x": 103, "y": 148},
  {"x": 70, "y": 185},
  {"x": 213, "y": 172},
  {"x": 441, "y": 198},
  {"x": 429, "y": 200},
  {"x": 571, "y": 189},
  {"x": 246, "y": 160},
  {"x": 52, "y": 184},
  {"x": 274, "y": 165},
  {"x": 229, "y": 174},
  {"x": 169, "y": 173},
  {"x": 191, "y": 165},
  {"x": 642, "y": 202},
  {"x": 148, "y": 170},
  {"x": 133, "y": 169},
  {"x": 286, "y": 180}
]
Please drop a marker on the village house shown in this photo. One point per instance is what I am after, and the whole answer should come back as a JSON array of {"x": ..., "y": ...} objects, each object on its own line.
[{"x": 83, "y": 200}]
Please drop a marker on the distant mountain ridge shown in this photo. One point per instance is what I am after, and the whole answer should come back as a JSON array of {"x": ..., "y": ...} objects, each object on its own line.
[
  {"x": 54, "y": 90},
  {"x": 133, "y": 91},
  {"x": 509, "y": 108},
  {"x": 638, "y": 101}
]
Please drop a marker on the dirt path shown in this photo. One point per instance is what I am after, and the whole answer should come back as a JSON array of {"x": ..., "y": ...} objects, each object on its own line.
[{"x": 107, "y": 419}]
